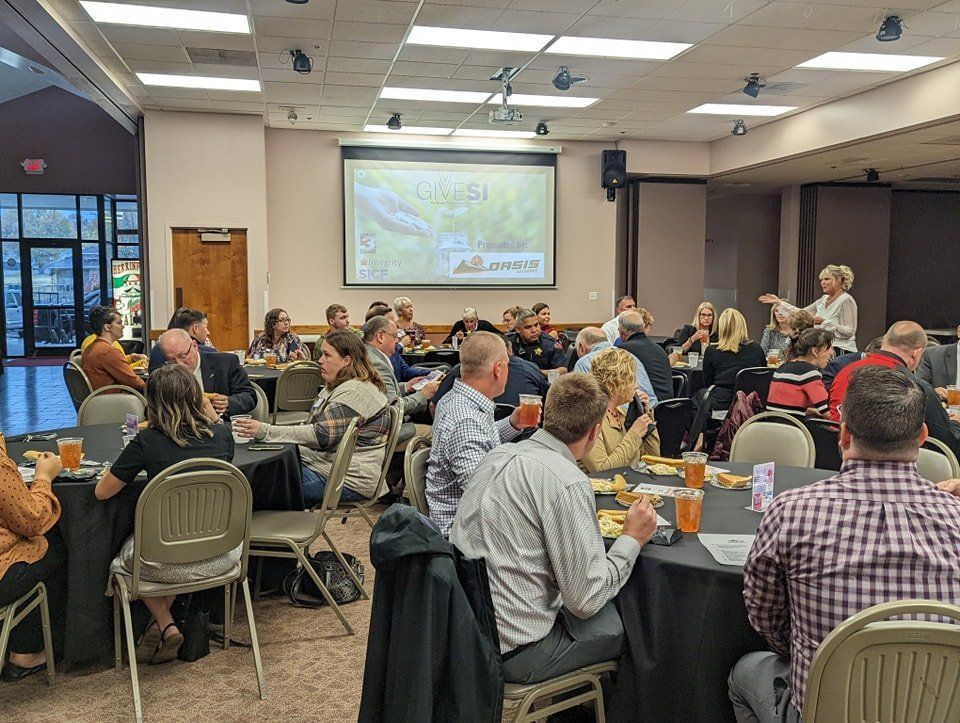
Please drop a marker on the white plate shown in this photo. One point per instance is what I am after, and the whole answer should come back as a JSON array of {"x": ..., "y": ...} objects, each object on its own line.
[{"x": 713, "y": 481}]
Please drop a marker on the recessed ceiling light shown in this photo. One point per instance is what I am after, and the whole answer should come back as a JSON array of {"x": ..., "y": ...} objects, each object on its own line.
[
  {"x": 157, "y": 17},
  {"x": 736, "y": 109},
  {"x": 477, "y": 39},
  {"x": 414, "y": 130},
  {"x": 613, "y": 48},
  {"x": 199, "y": 81},
  {"x": 547, "y": 101},
  {"x": 480, "y": 133},
  {"x": 432, "y": 94},
  {"x": 877, "y": 62}
]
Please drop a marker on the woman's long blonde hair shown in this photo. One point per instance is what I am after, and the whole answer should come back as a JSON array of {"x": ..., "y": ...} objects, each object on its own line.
[
  {"x": 616, "y": 370},
  {"x": 175, "y": 404},
  {"x": 696, "y": 316},
  {"x": 731, "y": 330}
]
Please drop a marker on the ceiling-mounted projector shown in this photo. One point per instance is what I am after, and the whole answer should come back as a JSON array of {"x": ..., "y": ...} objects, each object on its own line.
[{"x": 506, "y": 114}]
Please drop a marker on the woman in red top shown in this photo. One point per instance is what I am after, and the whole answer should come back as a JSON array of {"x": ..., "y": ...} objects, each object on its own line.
[
  {"x": 797, "y": 385},
  {"x": 543, "y": 313}
]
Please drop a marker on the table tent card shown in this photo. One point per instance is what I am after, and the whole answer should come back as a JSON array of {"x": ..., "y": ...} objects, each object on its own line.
[{"x": 762, "y": 487}]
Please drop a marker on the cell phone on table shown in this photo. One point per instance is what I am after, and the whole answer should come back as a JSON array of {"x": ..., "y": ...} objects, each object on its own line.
[
  {"x": 260, "y": 447},
  {"x": 434, "y": 376}
]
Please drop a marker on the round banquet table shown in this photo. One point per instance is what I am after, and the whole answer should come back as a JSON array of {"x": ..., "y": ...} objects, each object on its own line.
[
  {"x": 683, "y": 612},
  {"x": 266, "y": 379},
  {"x": 93, "y": 531},
  {"x": 694, "y": 377},
  {"x": 417, "y": 357}
]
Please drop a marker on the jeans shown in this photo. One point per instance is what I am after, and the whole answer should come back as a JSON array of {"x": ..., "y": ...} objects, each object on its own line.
[
  {"x": 20, "y": 578},
  {"x": 315, "y": 484},
  {"x": 760, "y": 689}
]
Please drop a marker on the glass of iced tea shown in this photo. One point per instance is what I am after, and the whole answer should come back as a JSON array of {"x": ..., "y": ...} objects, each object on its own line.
[
  {"x": 953, "y": 396},
  {"x": 425, "y": 344},
  {"x": 71, "y": 450},
  {"x": 689, "y": 503},
  {"x": 271, "y": 360},
  {"x": 694, "y": 468},
  {"x": 773, "y": 358},
  {"x": 529, "y": 410}
]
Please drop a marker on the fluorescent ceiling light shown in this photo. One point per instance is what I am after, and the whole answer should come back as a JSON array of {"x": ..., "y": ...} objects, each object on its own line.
[
  {"x": 741, "y": 109},
  {"x": 481, "y": 133},
  {"x": 199, "y": 81},
  {"x": 157, "y": 17},
  {"x": 477, "y": 39},
  {"x": 438, "y": 96},
  {"x": 613, "y": 48},
  {"x": 547, "y": 101},
  {"x": 414, "y": 130},
  {"x": 877, "y": 62}
]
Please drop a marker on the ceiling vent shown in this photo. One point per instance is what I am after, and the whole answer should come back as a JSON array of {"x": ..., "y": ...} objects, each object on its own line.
[
  {"x": 945, "y": 141},
  {"x": 215, "y": 56},
  {"x": 782, "y": 88}
]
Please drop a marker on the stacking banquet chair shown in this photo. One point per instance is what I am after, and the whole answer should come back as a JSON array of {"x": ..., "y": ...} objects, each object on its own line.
[
  {"x": 261, "y": 412},
  {"x": 502, "y": 411},
  {"x": 673, "y": 420},
  {"x": 347, "y": 509},
  {"x": 442, "y": 366},
  {"x": 415, "y": 472},
  {"x": 77, "y": 383},
  {"x": 826, "y": 440},
  {"x": 290, "y": 533},
  {"x": 76, "y": 356},
  {"x": 753, "y": 379},
  {"x": 679, "y": 383},
  {"x": 583, "y": 682},
  {"x": 296, "y": 392},
  {"x": 447, "y": 356},
  {"x": 10, "y": 618},
  {"x": 936, "y": 461},
  {"x": 872, "y": 668},
  {"x": 773, "y": 437},
  {"x": 192, "y": 511},
  {"x": 112, "y": 404}
]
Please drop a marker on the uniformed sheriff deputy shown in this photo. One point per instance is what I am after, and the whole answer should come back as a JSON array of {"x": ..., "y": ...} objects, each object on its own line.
[{"x": 531, "y": 344}]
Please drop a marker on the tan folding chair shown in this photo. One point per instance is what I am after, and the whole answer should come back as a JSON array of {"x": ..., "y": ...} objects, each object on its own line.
[
  {"x": 937, "y": 447},
  {"x": 10, "y": 618},
  {"x": 192, "y": 511},
  {"x": 261, "y": 412},
  {"x": 871, "y": 668},
  {"x": 584, "y": 682},
  {"x": 76, "y": 357},
  {"x": 78, "y": 385},
  {"x": 112, "y": 404},
  {"x": 761, "y": 440},
  {"x": 296, "y": 392},
  {"x": 347, "y": 509},
  {"x": 935, "y": 466},
  {"x": 415, "y": 472},
  {"x": 290, "y": 533}
]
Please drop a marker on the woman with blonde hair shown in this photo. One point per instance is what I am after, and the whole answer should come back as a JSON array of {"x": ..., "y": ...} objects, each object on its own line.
[
  {"x": 618, "y": 445},
  {"x": 413, "y": 332},
  {"x": 835, "y": 311},
  {"x": 776, "y": 334},
  {"x": 702, "y": 332}
]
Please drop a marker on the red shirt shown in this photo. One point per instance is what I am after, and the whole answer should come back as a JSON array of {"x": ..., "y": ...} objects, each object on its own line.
[{"x": 838, "y": 390}]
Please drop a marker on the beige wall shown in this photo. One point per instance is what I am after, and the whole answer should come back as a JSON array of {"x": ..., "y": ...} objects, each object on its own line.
[
  {"x": 672, "y": 229},
  {"x": 205, "y": 170}
]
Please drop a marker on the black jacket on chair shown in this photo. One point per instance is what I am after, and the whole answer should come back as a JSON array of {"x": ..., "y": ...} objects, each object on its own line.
[
  {"x": 223, "y": 374},
  {"x": 654, "y": 360},
  {"x": 433, "y": 653}
]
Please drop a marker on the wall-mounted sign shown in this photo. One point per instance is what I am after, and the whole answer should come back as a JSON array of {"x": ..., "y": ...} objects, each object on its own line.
[{"x": 33, "y": 166}]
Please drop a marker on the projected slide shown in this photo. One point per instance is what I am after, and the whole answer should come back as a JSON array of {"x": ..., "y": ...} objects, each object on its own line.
[{"x": 415, "y": 223}]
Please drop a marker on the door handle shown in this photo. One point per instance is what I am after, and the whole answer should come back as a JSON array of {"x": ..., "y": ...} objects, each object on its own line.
[{"x": 178, "y": 296}]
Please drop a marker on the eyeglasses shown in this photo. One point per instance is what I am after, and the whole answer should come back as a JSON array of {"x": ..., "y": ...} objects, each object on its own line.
[{"x": 284, "y": 320}]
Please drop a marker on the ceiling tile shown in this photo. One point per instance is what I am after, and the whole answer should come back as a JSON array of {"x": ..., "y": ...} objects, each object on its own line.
[
  {"x": 223, "y": 41},
  {"x": 349, "y": 49},
  {"x": 654, "y": 9},
  {"x": 164, "y": 53},
  {"x": 363, "y": 80},
  {"x": 155, "y": 66},
  {"x": 733, "y": 71},
  {"x": 428, "y": 54},
  {"x": 291, "y": 93},
  {"x": 716, "y": 12},
  {"x": 145, "y": 36},
  {"x": 424, "y": 70},
  {"x": 560, "y": 6},
  {"x": 451, "y": 16},
  {"x": 237, "y": 106},
  {"x": 602, "y": 26},
  {"x": 368, "y": 32},
  {"x": 747, "y": 57},
  {"x": 377, "y": 11},
  {"x": 286, "y": 75},
  {"x": 517, "y": 21},
  {"x": 290, "y": 28},
  {"x": 751, "y": 36},
  {"x": 337, "y": 64},
  {"x": 470, "y": 3},
  {"x": 815, "y": 16},
  {"x": 314, "y": 10},
  {"x": 344, "y": 93},
  {"x": 183, "y": 104},
  {"x": 939, "y": 47},
  {"x": 269, "y": 44},
  {"x": 672, "y": 31}
]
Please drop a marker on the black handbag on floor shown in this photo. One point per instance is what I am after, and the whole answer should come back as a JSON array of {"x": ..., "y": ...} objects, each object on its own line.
[
  {"x": 303, "y": 592},
  {"x": 194, "y": 625}
]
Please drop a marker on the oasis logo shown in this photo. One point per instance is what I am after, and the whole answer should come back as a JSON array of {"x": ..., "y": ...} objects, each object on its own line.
[
  {"x": 497, "y": 264},
  {"x": 446, "y": 190},
  {"x": 514, "y": 266}
]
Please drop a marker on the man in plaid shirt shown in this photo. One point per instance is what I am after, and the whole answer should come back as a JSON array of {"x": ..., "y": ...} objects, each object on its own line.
[{"x": 874, "y": 533}]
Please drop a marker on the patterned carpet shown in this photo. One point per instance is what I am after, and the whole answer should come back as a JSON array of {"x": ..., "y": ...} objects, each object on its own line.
[{"x": 313, "y": 670}]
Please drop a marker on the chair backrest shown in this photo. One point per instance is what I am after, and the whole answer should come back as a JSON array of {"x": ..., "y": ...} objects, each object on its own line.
[
  {"x": 297, "y": 387},
  {"x": 679, "y": 384},
  {"x": 754, "y": 379},
  {"x": 338, "y": 471},
  {"x": 415, "y": 472},
  {"x": 935, "y": 445},
  {"x": 442, "y": 366},
  {"x": 773, "y": 437},
  {"x": 502, "y": 411},
  {"x": 111, "y": 404},
  {"x": 132, "y": 346},
  {"x": 673, "y": 418},
  {"x": 873, "y": 668},
  {"x": 934, "y": 466},
  {"x": 77, "y": 383},
  {"x": 826, "y": 441},
  {"x": 193, "y": 510},
  {"x": 261, "y": 412},
  {"x": 390, "y": 445},
  {"x": 76, "y": 356},
  {"x": 447, "y": 356}
]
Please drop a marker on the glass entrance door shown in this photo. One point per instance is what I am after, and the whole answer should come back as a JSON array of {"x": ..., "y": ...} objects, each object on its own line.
[{"x": 50, "y": 300}]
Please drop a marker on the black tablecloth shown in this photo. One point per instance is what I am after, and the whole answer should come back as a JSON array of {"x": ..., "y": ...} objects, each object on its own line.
[
  {"x": 694, "y": 377},
  {"x": 683, "y": 612},
  {"x": 266, "y": 379},
  {"x": 93, "y": 531}
]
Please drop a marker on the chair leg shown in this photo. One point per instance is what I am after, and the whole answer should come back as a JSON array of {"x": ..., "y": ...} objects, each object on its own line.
[
  {"x": 47, "y": 637},
  {"x": 323, "y": 588},
  {"x": 256, "y": 585},
  {"x": 254, "y": 641},
  {"x": 5, "y": 632},
  {"x": 116, "y": 631},
  {"x": 131, "y": 651},
  {"x": 365, "y": 514},
  {"x": 349, "y": 570},
  {"x": 227, "y": 616}
]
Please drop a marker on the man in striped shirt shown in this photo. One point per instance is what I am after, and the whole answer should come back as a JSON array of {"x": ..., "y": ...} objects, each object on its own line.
[{"x": 874, "y": 533}]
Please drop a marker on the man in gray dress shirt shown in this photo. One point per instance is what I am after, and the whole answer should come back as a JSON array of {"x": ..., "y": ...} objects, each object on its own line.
[{"x": 529, "y": 511}]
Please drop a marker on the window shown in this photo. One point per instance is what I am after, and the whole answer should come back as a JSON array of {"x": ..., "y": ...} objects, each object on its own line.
[
  {"x": 89, "y": 218},
  {"x": 9, "y": 221},
  {"x": 48, "y": 216},
  {"x": 128, "y": 218}
]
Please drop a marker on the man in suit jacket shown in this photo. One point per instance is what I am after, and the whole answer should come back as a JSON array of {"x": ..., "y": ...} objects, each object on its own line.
[
  {"x": 650, "y": 354},
  {"x": 469, "y": 324},
  {"x": 219, "y": 374},
  {"x": 380, "y": 338},
  {"x": 939, "y": 367}
]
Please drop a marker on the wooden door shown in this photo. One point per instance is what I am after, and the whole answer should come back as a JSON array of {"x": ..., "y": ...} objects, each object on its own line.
[{"x": 212, "y": 276}]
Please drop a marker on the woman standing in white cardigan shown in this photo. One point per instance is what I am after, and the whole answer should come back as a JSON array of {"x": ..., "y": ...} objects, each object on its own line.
[{"x": 835, "y": 311}]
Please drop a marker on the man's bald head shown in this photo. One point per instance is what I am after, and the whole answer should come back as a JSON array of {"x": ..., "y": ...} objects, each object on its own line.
[
  {"x": 179, "y": 347},
  {"x": 906, "y": 339},
  {"x": 587, "y": 337},
  {"x": 479, "y": 352}
]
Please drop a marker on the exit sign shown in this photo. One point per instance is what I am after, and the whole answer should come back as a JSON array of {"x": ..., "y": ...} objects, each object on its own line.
[{"x": 33, "y": 166}]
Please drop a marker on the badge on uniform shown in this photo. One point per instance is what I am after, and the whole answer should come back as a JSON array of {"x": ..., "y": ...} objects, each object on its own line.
[{"x": 538, "y": 351}]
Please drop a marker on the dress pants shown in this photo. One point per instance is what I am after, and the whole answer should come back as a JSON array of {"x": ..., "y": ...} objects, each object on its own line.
[
  {"x": 20, "y": 578},
  {"x": 760, "y": 689}
]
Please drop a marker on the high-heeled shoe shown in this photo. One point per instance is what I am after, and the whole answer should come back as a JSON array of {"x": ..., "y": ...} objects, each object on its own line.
[{"x": 13, "y": 672}]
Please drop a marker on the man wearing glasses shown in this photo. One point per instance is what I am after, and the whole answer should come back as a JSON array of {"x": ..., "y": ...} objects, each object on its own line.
[
  {"x": 192, "y": 321},
  {"x": 220, "y": 375}
]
